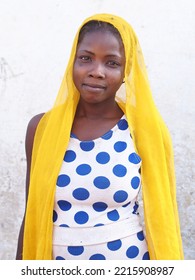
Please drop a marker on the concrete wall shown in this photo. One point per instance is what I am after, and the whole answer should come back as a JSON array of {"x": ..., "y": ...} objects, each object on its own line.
[{"x": 35, "y": 41}]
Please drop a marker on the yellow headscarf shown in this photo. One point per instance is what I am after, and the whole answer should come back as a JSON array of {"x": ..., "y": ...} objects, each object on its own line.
[{"x": 152, "y": 142}]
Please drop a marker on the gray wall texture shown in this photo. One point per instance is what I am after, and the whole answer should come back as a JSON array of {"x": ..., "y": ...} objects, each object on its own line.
[{"x": 35, "y": 41}]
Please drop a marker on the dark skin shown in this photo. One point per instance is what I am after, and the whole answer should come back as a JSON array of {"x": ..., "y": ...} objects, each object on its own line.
[
  {"x": 98, "y": 73},
  {"x": 30, "y": 133}
]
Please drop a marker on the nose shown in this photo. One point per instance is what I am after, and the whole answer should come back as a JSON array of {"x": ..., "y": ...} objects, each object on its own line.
[{"x": 97, "y": 71}]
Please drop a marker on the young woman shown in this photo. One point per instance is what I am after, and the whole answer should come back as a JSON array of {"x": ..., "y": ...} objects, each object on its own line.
[{"x": 102, "y": 141}]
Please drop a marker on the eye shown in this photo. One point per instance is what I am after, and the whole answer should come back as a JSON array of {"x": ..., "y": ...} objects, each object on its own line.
[
  {"x": 113, "y": 63},
  {"x": 85, "y": 58}
]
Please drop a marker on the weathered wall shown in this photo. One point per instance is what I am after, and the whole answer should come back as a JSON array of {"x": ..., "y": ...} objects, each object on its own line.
[{"x": 35, "y": 40}]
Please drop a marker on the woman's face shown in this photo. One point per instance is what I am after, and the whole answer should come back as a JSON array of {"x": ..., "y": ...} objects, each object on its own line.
[{"x": 98, "y": 70}]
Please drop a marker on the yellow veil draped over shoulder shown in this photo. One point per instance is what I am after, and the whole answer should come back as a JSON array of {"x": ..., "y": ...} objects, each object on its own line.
[{"x": 152, "y": 142}]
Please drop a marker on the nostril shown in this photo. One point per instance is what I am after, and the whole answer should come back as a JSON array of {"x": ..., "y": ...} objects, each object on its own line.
[
  {"x": 97, "y": 74},
  {"x": 97, "y": 71}
]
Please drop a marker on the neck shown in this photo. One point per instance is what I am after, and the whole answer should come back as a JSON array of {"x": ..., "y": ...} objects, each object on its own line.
[{"x": 98, "y": 111}]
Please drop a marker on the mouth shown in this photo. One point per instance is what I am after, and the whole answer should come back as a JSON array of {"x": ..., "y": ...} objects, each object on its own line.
[{"x": 94, "y": 87}]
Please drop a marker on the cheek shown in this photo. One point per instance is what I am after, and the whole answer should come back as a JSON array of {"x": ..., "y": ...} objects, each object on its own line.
[
  {"x": 117, "y": 79},
  {"x": 78, "y": 71},
  {"x": 76, "y": 74}
]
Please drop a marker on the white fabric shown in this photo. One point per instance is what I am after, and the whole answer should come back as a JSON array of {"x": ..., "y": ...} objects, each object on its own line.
[{"x": 95, "y": 235}]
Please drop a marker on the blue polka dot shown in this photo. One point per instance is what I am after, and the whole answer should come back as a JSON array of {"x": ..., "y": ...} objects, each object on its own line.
[
  {"x": 107, "y": 135},
  {"x": 80, "y": 194},
  {"x": 146, "y": 256},
  {"x": 100, "y": 206},
  {"x": 134, "y": 158},
  {"x": 64, "y": 225},
  {"x": 135, "y": 182},
  {"x": 99, "y": 225},
  {"x": 113, "y": 215},
  {"x": 123, "y": 124},
  {"x": 75, "y": 250},
  {"x": 83, "y": 169},
  {"x": 72, "y": 135},
  {"x": 63, "y": 180},
  {"x": 59, "y": 258},
  {"x": 120, "y": 146},
  {"x": 101, "y": 182},
  {"x": 69, "y": 156},
  {"x": 87, "y": 145},
  {"x": 97, "y": 257},
  {"x": 103, "y": 158},
  {"x": 120, "y": 196},
  {"x": 55, "y": 216},
  {"x": 114, "y": 245},
  {"x": 132, "y": 252},
  {"x": 64, "y": 205},
  {"x": 140, "y": 235},
  {"x": 126, "y": 204},
  {"x": 135, "y": 208},
  {"x": 81, "y": 217},
  {"x": 119, "y": 170}
]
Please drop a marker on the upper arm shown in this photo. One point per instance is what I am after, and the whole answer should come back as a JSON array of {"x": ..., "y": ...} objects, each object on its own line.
[{"x": 30, "y": 133}]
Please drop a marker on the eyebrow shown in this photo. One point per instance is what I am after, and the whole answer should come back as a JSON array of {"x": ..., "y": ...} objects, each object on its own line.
[
  {"x": 108, "y": 55},
  {"x": 89, "y": 52}
]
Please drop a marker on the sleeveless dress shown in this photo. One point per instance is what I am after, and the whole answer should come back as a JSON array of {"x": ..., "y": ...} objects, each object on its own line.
[{"x": 95, "y": 214}]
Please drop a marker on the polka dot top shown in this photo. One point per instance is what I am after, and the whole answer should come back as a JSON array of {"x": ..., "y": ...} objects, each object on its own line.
[{"x": 99, "y": 180}]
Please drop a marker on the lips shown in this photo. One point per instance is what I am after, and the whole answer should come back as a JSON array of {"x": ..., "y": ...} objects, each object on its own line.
[{"x": 90, "y": 86}]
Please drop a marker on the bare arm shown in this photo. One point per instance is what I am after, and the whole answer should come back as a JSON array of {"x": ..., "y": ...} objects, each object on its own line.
[{"x": 30, "y": 133}]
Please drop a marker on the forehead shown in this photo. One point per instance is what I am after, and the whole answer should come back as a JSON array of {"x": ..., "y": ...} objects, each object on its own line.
[
  {"x": 101, "y": 39},
  {"x": 96, "y": 25}
]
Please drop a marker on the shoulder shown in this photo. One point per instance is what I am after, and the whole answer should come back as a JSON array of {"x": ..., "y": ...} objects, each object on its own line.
[
  {"x": 31, "y": 129},
  {"x": 35, "y": 121},
  {"x": 32, "y": 125}
]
